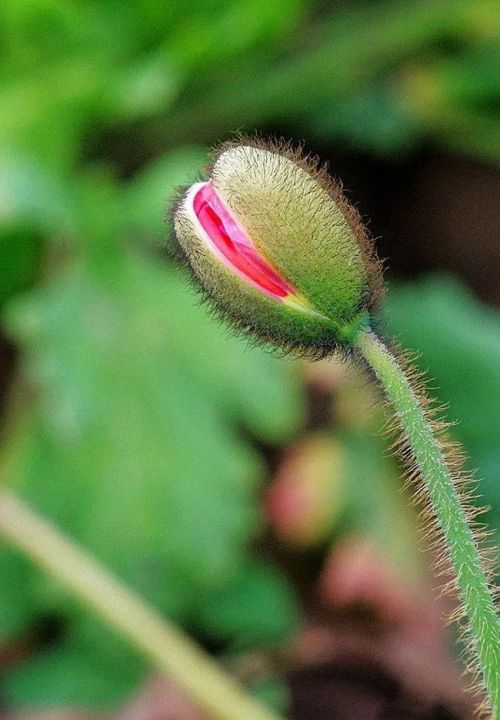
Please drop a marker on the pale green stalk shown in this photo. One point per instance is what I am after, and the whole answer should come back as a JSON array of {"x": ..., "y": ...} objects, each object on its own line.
[
  {"x": 461, "y": 546},
  {"x": 168, "y": 648}
]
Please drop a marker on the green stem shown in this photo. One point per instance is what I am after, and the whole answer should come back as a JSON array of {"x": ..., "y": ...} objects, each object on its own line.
[
  {"x": 161, "y": 642},
  {"x": 462, "y": 548}
]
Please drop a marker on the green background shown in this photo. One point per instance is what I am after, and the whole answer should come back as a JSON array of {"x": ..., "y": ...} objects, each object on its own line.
[{"x": 143, "y": 429}]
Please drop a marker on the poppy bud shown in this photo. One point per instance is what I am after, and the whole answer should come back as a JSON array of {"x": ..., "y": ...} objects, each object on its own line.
[{"x": 277, "y": 249}]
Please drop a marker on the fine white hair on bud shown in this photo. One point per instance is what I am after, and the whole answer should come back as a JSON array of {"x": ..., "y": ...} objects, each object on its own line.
[{"x": 276, "y": 248}]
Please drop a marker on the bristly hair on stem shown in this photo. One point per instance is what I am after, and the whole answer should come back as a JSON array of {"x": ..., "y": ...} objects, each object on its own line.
[
  {"x": 282, "y": 257},
  {"x": 443, "y": 492}
]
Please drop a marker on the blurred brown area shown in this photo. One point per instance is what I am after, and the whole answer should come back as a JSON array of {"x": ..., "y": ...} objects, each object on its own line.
[{"x": 429, "y": 213}]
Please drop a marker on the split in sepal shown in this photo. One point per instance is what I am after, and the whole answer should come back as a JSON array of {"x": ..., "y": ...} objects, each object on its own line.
[{"x": 276, "y": 248}]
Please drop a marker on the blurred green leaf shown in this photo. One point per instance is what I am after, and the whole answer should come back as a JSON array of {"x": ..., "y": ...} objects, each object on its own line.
[
  {"x": 458, "y": 341},
  {"x": 256, "y": 609},
  {"x": 245, "y": 382},
  {"x": 132, "y": 446},
  {"x": 35, "y": 198},
  {"x": 16, "y": 607},
  {"x": 458, "y": 345},
  {"x": 92, "y": 670},
  {"x": 147, "y": 196},
  {"x": 20, "y": 255}
]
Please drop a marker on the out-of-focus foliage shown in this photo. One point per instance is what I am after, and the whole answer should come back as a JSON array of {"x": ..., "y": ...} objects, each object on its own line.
[
  {"x": 134, "y": 447},
  {"x": 133, "y": 415},
  {"x": 457, "y": 342}
]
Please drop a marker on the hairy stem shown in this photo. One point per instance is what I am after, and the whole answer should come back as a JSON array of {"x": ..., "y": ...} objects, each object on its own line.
[
  {"x": 461, "y": 545},
  {"x": 161, "y": 642}
]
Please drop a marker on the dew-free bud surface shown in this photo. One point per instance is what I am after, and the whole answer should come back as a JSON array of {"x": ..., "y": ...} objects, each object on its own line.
[{"x": 277, "y": 249}]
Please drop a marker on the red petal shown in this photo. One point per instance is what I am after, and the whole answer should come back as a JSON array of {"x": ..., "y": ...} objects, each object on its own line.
[{"x": 234, "y": 245}]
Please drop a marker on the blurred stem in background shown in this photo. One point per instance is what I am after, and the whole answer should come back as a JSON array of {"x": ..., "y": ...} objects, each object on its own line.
[{"x": 161, "y": 642}]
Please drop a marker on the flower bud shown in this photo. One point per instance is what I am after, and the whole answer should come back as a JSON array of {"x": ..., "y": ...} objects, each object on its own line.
[
  {"x": 306, "y": 498},
  {"x": 277, "y": 249}
]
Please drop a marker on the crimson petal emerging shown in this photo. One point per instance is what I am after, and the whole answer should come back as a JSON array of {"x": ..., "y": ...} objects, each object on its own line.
[
  {"x": 232, "y": 244},
  {"x": 275, "y": 248}
]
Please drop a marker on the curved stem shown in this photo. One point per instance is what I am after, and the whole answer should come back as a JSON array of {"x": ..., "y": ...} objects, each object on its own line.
[
  {"x": 461, "y": 546},
  {"x": 160, "y": 641}
]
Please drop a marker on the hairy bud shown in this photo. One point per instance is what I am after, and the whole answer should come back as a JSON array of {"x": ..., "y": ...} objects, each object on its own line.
[{"x": 277, "y": 249}]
